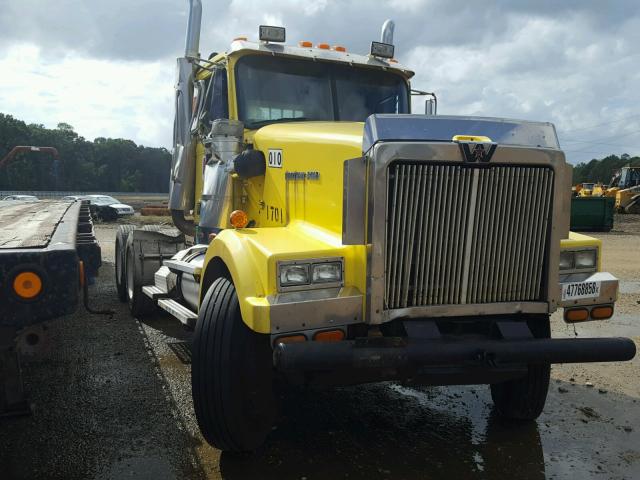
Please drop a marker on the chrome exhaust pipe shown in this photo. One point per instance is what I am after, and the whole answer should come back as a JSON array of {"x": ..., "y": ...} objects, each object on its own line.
[
  {"x": 386, "y": 36},
  {"x": 183, "y": 164},
  {"x": 192, "y": 42}
]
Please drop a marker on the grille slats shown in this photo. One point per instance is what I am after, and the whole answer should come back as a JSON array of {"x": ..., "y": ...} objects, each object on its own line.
[{"x": 460, "y": 235}]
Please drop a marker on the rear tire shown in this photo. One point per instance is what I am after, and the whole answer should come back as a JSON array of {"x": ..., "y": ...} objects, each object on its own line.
[
  {"x": 524, "y": 398},
  {"x": 231, "y": 374},
  {"x": 121, "y": 244},
  {"x": 139, "y": 304}
]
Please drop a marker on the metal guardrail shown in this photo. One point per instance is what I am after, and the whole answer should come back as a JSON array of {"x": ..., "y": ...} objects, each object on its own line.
[{"x": 55, "y": 194}]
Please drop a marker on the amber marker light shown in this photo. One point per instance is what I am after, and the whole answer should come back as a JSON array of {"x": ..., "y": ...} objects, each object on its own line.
[
  {"x": 323, "y": 46},
  {"x": 602, "y": 313},
  {"x": 329, "y": 336},
  {"x": 27, "y": 285},
  {"x": 305, "y": 44},
  {"x": 291, "y": 339},
  {"x": 238, "y": 219},
  {"x": 339, "y": 48},
  {"x": 576, "y": 315}
]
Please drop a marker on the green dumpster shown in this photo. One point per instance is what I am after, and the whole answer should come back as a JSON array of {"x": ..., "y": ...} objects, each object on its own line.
[{"x": 593, "y": 214}]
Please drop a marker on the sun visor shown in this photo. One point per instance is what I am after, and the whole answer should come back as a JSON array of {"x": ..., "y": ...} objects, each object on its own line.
[{"x": 429, "y": 128}]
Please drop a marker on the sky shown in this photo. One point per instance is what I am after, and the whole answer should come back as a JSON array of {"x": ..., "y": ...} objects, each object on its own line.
[{"x": 108, "y": 68}]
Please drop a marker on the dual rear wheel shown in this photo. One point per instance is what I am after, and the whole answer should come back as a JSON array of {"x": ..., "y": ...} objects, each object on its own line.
[{"x": 129, "y": 273}]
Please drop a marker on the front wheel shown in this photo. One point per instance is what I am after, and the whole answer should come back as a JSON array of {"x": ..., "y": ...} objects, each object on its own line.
[
  {"x": 231, "y": 374},
  {"x": 524, "y": 398}
]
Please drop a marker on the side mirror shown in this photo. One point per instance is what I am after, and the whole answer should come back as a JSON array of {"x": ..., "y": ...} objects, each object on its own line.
[{"x": 431, "y": 106}]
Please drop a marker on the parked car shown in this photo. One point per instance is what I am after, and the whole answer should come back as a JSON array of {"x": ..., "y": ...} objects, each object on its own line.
[
  {"x": 22, "y": 198},
  {"x": 104, "y": 207}
]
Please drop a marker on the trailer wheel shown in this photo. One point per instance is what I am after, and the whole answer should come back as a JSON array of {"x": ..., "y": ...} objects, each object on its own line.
[
  {"x": 139, "y": 303},
  {"x": 231, "y": 374},
  {"x": 121, "y": 244},
  {"x": 524, "y": 398}
]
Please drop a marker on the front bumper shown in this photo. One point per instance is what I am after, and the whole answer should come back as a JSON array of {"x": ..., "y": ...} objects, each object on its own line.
[
  {"x": 607, "y": 289},
  {"x": 390, "y": 353}
]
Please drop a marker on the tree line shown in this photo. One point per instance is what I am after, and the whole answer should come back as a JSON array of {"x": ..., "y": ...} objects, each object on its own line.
[
  {"x": 602, "y": 170},
  {"x": 102, "y": 165},
  {"x": 119, "y": 165}
]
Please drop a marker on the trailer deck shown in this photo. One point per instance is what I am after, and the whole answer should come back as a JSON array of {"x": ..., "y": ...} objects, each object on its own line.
[
  {"x": 47, "y": 249},
  {"x": 30, "y": 224},
  {"x": 49, "y": 239}
]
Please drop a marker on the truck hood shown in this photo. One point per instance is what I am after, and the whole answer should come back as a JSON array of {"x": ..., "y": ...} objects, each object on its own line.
[{"x": 344, "y": 134}]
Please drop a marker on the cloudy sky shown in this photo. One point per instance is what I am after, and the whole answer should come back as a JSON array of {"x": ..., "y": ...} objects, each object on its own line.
[{"x": 107, "y": 67}]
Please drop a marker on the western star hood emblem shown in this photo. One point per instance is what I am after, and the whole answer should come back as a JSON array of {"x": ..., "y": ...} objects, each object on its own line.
[{"x": 477, "y": 152}]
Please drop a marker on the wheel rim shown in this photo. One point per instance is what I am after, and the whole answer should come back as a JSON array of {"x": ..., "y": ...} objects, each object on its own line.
[
  {"x": 129, "y": 269},
  {"x": 118, "y": 264}
]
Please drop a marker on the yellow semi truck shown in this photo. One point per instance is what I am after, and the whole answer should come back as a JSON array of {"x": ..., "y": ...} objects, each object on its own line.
[{"x": 339, "y": 239}]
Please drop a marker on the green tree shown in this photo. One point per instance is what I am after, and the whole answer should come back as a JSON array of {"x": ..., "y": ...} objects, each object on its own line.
[{"x": 106, "y": 164}]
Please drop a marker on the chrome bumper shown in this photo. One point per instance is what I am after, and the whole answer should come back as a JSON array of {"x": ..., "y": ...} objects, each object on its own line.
[{"x": 608, "y": 293}]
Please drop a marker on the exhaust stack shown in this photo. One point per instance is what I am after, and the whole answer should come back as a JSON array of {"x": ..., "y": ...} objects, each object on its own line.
[
  {"x": 192, "y": 43},
  {"x": 386, "y": 36},
  {"x": 183, "y": 163}
]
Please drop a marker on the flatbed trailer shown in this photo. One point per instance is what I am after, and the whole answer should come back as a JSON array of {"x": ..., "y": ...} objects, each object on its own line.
[{"x": 47, "y": 251}]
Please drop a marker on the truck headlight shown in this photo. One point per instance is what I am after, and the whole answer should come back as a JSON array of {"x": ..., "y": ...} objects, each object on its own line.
[
  {"x": 291, "y": 275},
  {"x": 326, "y": 272},
  {"x": 310, "y": 274},
  {"x": 585, "y": 259},
  {"x": 567, "y": 259},
  {"x": 578, "y": 260}
]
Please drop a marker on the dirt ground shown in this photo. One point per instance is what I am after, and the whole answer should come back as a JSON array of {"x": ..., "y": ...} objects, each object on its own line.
[{"x": 112, "y": 400}]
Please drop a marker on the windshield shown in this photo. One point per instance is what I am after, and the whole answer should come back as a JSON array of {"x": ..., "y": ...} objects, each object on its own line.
[{"x": 275, "y": 89}]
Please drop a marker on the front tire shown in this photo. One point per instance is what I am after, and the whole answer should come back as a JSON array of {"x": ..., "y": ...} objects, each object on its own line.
[
  {"x": 524, "y": 398},
  {"x": 231, "y": 374}
]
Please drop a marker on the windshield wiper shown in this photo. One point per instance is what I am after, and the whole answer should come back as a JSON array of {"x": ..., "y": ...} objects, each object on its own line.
[{"x": 262, "y": 123}]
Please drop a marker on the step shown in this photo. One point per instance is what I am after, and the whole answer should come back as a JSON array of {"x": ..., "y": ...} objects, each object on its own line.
[
  {"x": 180, "y": 266},
  {"x": 179, "y": 311},
  {"x": 154, "y": 292}
]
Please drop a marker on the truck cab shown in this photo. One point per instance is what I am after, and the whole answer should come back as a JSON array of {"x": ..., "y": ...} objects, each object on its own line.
[{"x": 327, "y": 236}]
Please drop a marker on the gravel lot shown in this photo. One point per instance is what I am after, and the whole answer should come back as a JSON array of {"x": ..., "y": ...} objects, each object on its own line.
[{"x": 112, "y": 400}]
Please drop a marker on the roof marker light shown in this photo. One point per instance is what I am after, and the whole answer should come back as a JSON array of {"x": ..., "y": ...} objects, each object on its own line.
[
  {"x": 339, "y": 48},
  {"x": 323, "y": 46},
  {"x": 305, "y": 44}
]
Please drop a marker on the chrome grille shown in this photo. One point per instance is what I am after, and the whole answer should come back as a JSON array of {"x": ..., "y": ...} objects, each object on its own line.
[{"x": 459, "y": 235}]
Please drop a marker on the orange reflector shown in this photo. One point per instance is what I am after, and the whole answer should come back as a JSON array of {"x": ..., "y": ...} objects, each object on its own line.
[
  {"x": 27, "y": 285},
  {"x": 576, "y": 315},
  {"x": 323, "y": 46},
  {"x": 602, "y": 313},
  {"x": 81, "y": 272},
  {"x": 238, "y": 219},
  {"x": 329, "y": 336},
  {"x": 242, "y": 39},
  {"x": 291, "y": 339},
  {"x": 339, "y": 48},
  {"x": 305, "y": 43}
]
